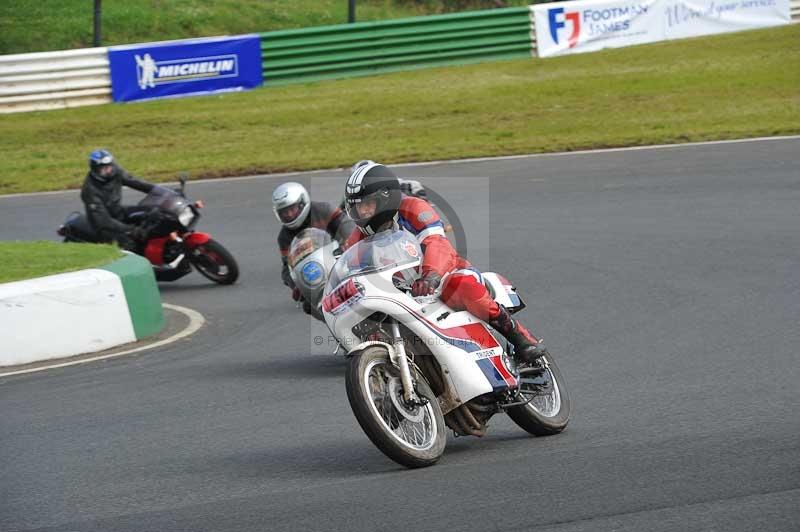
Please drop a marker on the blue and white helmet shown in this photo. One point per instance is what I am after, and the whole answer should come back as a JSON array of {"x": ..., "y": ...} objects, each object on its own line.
[
  {"x": 291, "y": 204},
  {"x": 98, "y": 160}
]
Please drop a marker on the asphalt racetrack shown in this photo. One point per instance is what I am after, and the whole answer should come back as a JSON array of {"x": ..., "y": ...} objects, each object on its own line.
[{"x": 665, "y": 281}]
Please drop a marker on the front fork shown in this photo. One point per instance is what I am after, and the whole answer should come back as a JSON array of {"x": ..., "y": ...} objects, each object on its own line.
[{"x": 399, "y": 359}]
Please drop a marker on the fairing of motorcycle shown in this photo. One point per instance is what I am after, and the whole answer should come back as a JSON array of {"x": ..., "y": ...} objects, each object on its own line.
[
  {"x": 415, "y": 365},
  {"x": 312, "y": 254}
]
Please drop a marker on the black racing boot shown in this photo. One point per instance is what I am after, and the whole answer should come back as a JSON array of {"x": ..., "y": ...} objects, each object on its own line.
[{"x": 527, "y": 347}]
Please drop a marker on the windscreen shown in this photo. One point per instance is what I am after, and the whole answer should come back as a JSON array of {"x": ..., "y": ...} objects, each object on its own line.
[
  {"x": 158, "y": 197},
  {"x": 307, "y": 242},
  {"x": 382, "y": 251}
]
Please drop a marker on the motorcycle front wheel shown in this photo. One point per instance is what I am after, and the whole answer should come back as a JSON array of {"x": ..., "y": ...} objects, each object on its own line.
[
  {"x": 214, "y": 262},
  {"x": 548, "y": 406},
  {"x": 412, "y": 435}
]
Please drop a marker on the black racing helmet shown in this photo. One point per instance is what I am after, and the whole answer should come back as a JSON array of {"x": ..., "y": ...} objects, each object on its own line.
[
  {"x": 372, "y": 197},
  {"x": 102, "y": 165}
]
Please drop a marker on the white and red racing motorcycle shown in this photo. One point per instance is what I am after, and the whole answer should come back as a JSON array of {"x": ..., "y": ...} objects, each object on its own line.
[{"x": 415, "y": 366}]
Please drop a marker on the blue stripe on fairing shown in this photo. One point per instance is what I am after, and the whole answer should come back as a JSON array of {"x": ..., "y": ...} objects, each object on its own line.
[{"x": 492, "y": 375}]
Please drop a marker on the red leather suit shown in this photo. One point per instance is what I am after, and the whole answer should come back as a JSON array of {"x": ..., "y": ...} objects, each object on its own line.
[{"x": 463, "y": 287}]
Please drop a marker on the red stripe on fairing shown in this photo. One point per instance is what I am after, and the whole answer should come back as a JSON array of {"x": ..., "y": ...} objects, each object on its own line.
[
  {"x": 501, "y": 368},
  {"x": 475, "y": 332},
  {"x": 472, "y": 332}
]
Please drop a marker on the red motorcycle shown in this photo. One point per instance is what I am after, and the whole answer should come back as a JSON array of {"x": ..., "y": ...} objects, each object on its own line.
[{"x": 172, "y": 245}]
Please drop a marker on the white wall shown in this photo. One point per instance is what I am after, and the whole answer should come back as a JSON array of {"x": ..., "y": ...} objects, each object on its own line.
[{"x": 62, "y": 315}]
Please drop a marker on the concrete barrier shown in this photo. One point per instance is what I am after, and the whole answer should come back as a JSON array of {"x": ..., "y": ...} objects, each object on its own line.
[{"x": 79, "y": 312}]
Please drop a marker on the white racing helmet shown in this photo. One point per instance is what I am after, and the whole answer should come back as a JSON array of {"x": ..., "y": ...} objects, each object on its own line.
[{"x": 291, "y": 204}]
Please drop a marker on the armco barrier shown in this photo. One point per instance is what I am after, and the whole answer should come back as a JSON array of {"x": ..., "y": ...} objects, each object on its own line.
[
  {"x": 365, "y": 48},
  {"x": 53, "y": 80},
  {"x": 79, "y": 312}
]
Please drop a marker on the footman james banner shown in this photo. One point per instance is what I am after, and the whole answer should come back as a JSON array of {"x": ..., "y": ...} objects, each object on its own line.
[
  {"x": 589, "y": 25},
  {"x": 181, "y": 68},
  {"x": 690, "y": 18}
]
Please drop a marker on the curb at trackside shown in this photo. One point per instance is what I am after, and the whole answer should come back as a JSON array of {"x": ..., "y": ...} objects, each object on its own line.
[
  {"x": 196, "y": 321},
  {"x": 84, "y": 311},
  {"x": 141, "y": 293}
]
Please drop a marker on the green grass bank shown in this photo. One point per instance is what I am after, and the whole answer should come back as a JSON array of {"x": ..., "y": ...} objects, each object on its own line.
[
  {"x": 26, "y": 260},
  {"x": 730, "y": 86},
  {"x": 42, "y": 25}
]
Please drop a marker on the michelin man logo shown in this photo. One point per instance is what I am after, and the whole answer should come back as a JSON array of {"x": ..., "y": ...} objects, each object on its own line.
[
  {"x": 150, "y": 72},
  {"x": 146, "y": 71}
]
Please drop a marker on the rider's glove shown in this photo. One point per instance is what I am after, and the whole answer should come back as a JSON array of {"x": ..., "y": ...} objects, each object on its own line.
[
  {"x": 138, "y": 233},
  {"x": 296, "y": 294},
  {"x": 426, "y": 285}
]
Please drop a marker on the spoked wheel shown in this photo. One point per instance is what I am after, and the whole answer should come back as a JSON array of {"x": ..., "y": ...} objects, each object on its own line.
[
  {"x": 412, "y": 435},
  {"x": 214, "y": 262},
  {"x": 548, "y": 407}
]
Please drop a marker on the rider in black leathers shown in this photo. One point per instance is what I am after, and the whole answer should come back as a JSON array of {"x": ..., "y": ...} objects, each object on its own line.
[
  {"x": 101, "y": 195},
  {"x": 295, "y": 211}
]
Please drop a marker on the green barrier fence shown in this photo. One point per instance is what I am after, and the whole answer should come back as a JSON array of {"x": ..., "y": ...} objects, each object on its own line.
[{"x": 359, "y": 49}]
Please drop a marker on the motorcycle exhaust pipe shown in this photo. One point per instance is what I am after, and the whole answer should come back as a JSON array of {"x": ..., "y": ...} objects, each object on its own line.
[{"x": 467, "y": 423}]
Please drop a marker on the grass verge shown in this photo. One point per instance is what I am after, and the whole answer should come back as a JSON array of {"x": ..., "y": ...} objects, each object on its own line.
[
  {"x": 26, "y": 260},
  {"x": 730, "y": 86},
  {"x": 41, "y": 25}
]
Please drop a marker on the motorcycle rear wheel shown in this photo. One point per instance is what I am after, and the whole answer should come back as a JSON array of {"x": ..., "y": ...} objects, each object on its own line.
[
  {"x": 411, "y": 435},
  {"x": 549, "y": 410},
  {"x": 214, "y": 262}
]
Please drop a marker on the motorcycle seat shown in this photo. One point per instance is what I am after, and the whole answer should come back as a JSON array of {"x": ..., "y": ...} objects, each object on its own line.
[{"x": 78, "y": 227}]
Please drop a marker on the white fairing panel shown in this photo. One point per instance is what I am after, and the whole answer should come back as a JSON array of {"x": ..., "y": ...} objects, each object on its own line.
[
  {"x": 362, "y": 283},
  {"x": 461, "y": 343}
]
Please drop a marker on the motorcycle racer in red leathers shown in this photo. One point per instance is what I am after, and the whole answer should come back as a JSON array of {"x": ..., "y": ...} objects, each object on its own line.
[{"x": 375, "y": 202}]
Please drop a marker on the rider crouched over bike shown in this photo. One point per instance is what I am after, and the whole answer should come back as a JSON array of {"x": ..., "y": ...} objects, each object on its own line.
[
  {"x": 295, "y": 211},
  {"x": 102, "y": 197},
  {"x": 375, "y": 202}
]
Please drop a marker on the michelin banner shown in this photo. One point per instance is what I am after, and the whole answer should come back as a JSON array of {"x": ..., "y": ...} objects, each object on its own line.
[
  {"x": 590, "y": 25},
  {"x": 187, "y": 67}
]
